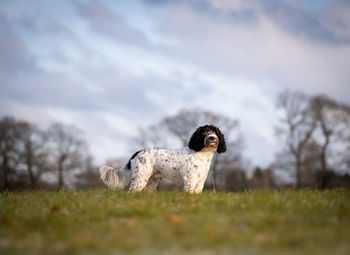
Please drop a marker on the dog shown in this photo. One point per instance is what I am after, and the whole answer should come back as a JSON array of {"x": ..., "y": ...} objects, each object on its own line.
[{"x": 187, "y": 167}]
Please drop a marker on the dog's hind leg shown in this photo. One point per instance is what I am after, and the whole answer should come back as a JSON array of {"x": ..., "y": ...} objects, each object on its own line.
[
  {"x": 153, "y": 182},
  {"x": 139, "y": 179},
  {"x": 137, "y": 184}
]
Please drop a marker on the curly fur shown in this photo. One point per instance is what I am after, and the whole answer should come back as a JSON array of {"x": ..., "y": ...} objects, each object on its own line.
[{"x": 187, "y": 167}]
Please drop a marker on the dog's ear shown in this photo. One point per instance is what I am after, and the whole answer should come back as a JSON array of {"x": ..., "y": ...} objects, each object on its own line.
[
  {"x": 222, "y": 144},
  {"x": 197, "y": 140}
]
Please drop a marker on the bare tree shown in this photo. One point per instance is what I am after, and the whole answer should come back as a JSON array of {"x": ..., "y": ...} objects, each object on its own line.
[
  {"x": 311, "y": 164},
  {"x": 9, "y": 151},
  {"x": 23, "y": 153},
  {"x": 186, "y": 121},
  {"x": 296, "y": 126},
  {"x": 68, "y": 149},
  {"x": 34, "y": 151},
  {"x": 332, "y": 118}
]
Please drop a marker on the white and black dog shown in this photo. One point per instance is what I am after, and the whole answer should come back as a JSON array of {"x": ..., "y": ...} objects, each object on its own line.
[{"x": 187, "y": 167}]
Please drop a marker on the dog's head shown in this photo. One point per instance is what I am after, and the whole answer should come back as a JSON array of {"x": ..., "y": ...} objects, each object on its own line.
[{"x": 208, "y": 137}]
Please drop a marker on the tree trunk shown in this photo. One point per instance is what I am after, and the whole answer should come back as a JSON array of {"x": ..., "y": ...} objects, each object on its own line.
[
  {"x": 5, "y": 170},
  {"x": 298, "y": 170},
  {"x": 324, "y": 166},
  {"x": 60, "y": 171},
  {"x": 29, "y": 160},
  {"x": 32, "y": 178}
]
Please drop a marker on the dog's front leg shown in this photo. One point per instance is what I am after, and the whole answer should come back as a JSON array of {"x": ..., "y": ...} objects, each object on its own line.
[
  {"x": 188, "y": 188},
  {"x": 199, "y": 186},
  {"x": 189, "y": 184}
]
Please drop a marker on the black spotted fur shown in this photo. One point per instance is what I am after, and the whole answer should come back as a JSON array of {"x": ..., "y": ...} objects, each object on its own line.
[{"x": 132, "y": 157}]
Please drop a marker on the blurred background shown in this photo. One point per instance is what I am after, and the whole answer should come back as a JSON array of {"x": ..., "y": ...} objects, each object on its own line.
[{"x": 87, "y": 83}]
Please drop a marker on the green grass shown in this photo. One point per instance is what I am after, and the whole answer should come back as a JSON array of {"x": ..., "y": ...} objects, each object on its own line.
[{"x": 111, "y": 222}]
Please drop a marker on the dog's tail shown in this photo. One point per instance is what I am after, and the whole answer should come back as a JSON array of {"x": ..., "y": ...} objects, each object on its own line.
[{"x": 115, "y": 179}]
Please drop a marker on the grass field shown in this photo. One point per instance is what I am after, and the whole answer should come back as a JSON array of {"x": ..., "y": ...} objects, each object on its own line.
[{"x": 110, "y": 222}]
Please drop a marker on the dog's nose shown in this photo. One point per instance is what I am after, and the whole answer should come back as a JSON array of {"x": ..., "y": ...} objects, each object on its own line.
[{"x": 211, "y": 138}]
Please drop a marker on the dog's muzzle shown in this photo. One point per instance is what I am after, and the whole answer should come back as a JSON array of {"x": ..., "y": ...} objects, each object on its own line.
[{"x": 211, "y": 141}]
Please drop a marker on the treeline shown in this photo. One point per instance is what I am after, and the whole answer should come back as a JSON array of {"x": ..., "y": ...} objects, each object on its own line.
[
  {"x": 314, "y": 131},
  {"x": 40, "y": 159}
]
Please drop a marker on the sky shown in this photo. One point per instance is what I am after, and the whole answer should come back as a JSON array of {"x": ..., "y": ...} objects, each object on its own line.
[{"x": 113, "y": 67}]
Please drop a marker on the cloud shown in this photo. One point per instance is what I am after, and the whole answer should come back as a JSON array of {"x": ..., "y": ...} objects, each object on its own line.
[
  {"x": 316, "y": 26},
  {"x": 268, "y": 49},
  {"x": 106, "y": 73},
  {"x": 105, "y": 22},
  {"x": 283, "y": 43},
  {"x": 15, "y": 56},
  {"x": 41, "y": 23}
]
